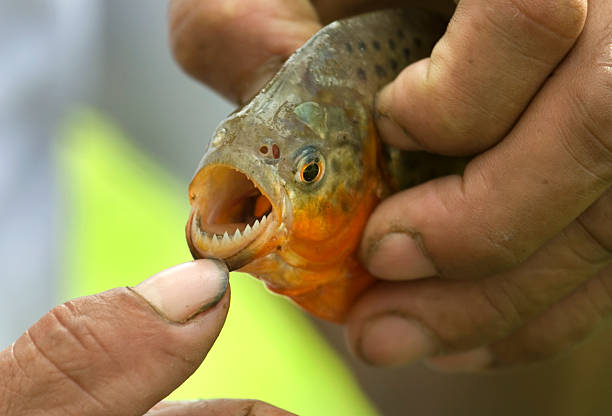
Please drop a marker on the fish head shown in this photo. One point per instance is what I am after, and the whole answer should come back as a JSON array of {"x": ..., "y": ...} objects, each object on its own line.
[{"x": 285, "y": 185}]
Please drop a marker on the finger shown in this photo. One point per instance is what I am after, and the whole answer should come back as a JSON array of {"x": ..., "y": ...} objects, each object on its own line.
[
  {"x": 236, "y": 46},
  {"x": 555, "y": 332},
  {"x": 559, "y": 329},
  {"x": 217, "y": 407},
  {"x": 118, "y": 352},
  {"x": 396, "y": 323},
  {"x": 484, "y": 71},
  {"x": 511, "y": 199}
]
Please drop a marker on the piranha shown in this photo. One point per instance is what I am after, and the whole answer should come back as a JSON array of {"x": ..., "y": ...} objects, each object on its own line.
[{"x": 288, "y": 181}]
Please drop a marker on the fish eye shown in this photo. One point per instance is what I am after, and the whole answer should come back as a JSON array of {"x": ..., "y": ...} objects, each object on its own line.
[
  {"x": 311, "y": 171},
  {"x": 310, "y": 168}
]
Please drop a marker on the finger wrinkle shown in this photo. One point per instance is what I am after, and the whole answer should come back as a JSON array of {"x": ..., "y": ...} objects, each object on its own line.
[
  {"x": 101, "y": 406},
  {"x": 534, "y": 54},
  {"x": 605, "y": 250},
  {"x": 564, "y": 22},
  {"x": 81, "y": 330},
  {"x": 505, "y": 317},
  {"x": 587, "y": 148},
  {"x": 17, "y": 374}
]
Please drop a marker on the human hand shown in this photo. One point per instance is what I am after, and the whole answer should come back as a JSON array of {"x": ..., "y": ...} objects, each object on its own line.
[
  {"x": 521, "y": 243},
  {"x": 522, "y": 240},
  {"x": 122, "y": 351}
]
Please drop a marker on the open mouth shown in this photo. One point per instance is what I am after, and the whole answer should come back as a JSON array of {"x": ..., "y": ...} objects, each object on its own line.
[{"x": 229, "y": 212}]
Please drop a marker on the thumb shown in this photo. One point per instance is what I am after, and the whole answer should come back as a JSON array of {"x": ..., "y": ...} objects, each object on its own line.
[{"x": 118, "y": 352}]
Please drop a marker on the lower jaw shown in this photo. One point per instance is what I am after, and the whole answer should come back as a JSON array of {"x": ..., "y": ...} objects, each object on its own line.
[{"x": 256, "y": 249}]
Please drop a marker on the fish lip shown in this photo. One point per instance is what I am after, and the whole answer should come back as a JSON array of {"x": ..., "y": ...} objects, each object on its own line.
[{"x": 236, "y": 252}]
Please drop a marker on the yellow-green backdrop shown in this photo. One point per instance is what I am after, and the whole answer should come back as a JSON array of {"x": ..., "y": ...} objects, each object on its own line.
[{"x": 126, "y": 221}]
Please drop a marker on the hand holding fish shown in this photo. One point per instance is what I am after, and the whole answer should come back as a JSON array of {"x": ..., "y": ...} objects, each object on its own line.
[
  {"x": 123, "y": 351},
  {"x": 521, "y": 242}
]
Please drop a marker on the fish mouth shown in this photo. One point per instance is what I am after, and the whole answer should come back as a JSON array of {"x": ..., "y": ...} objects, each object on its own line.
[{"x": 232, "y": 217}]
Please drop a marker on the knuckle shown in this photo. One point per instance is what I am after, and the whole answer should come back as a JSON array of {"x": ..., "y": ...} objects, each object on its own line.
[
  {"x": 465, "y": 123},
  {"x": 563, "y": 18},
  {"x": 492, "y": 315},
  {"x": 593, "y": 102},
  {"x": 500, "y": 245},
  {"x": 595, "y": 246},
  {"x": 466, "y": 126},
  {"x": 504, "y": 312}
]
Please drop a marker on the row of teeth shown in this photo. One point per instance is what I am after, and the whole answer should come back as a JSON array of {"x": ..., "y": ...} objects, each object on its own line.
[{"x": 230, "y": 238}]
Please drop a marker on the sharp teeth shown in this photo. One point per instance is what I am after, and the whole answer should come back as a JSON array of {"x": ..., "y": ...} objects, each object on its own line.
[
  {"x": 256, "y": 224},
  {"x": 215, "y": 240},
  {"x": 247, "y": 230},
  {"x": 237, "y": 234},
  {"x": 205, "y": 237},
  {"x": 264, "y": 218},
  {"x": 226, "y": 238}
]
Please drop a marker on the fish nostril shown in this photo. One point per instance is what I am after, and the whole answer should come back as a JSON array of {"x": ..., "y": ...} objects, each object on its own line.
[
  {"x": 263, "y": 150},
  {"x": 275, "y": 151}
]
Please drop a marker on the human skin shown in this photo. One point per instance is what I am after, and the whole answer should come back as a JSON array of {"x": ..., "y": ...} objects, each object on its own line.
[
  {"x": 122, "y": 351},
  {"x": 509, "y": 263}
]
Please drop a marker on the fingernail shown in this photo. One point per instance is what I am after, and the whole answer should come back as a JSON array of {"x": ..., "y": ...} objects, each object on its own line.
[
  {"x": 390, "y": 130},
  {"x": 183, "y": 291},
  {"x": 473, "y": 360},
  {"x": 399, "y": 256},
  {"x": 393, "y": 339}
]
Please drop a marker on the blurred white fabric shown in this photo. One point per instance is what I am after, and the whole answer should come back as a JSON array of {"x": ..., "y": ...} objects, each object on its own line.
[{"x": 46, "y": 63}]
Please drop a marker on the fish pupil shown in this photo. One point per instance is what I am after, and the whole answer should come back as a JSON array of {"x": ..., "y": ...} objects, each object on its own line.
[{"x": 310, "y": 172}]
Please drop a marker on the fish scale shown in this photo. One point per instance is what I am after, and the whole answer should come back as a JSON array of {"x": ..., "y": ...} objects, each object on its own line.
[{"x": 305, "y": 151}]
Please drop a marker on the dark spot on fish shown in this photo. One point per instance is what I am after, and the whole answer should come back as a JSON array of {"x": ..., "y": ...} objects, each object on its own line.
[
  {"x": 343, "y": 136},
  {"x": 361, "y": 46},
  {"x": 336, "y": 166},
  {"x": 400, "y": 33},
  {"x": 361, "y": 74},
  {"x": 380, "y": 71},
  {"x": 391, "y": 44},
  {"x": 393, "y": 64},
  {"x": 348, "y": 47},
  {"x": 406, "y": 52},
  {"x": 275, "y": 151},
  {"x": 263, "y": 150},
  {"x": 278, "y": 248},
  {"x": 376, "y": 45},
  {"x": 418, "y": 42}
]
